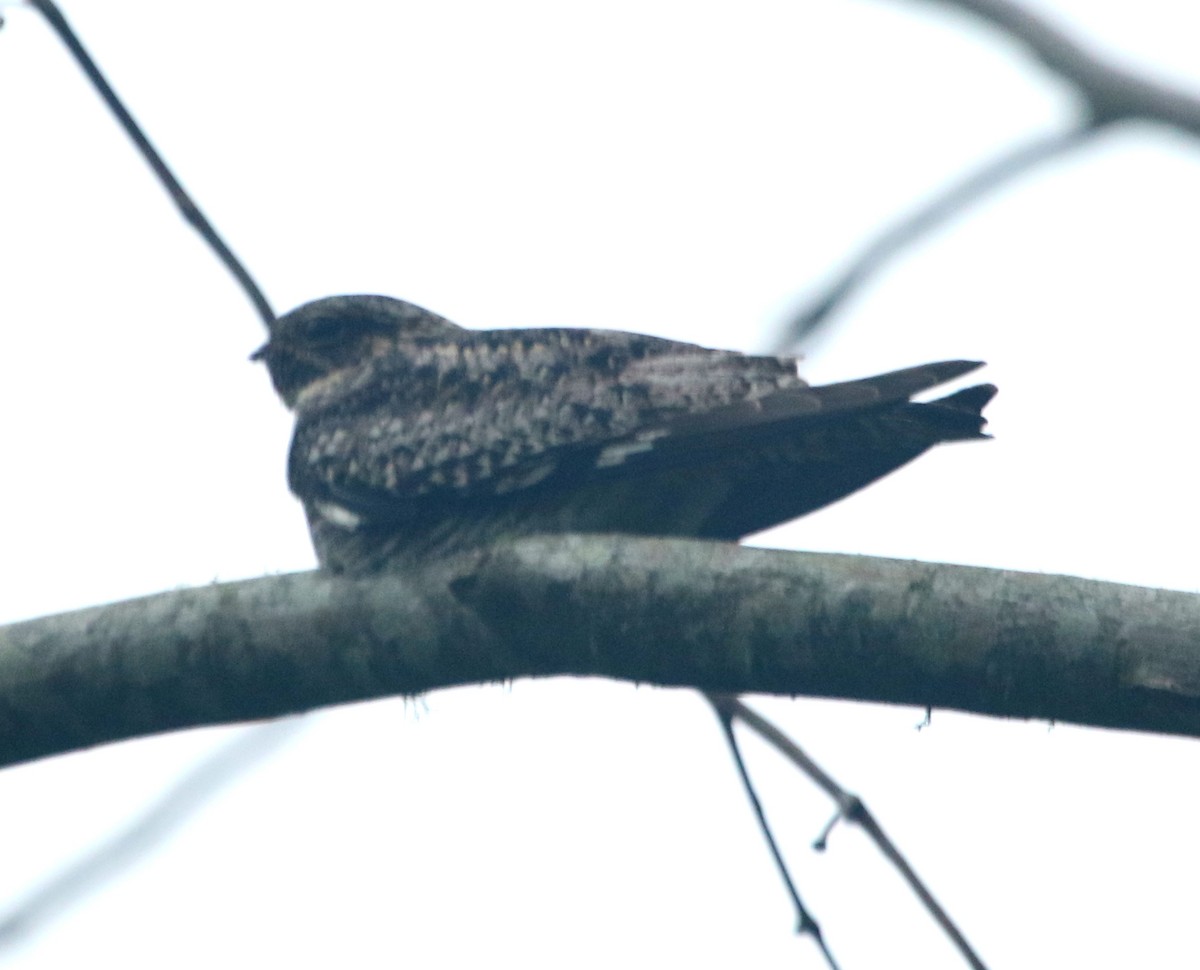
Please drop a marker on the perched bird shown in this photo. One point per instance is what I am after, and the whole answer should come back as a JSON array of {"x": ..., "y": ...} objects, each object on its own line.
[{"x": 416, "y": 436}]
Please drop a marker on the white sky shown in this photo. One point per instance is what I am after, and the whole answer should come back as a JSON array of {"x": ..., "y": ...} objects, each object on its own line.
[{"x": 687, "y": 169}]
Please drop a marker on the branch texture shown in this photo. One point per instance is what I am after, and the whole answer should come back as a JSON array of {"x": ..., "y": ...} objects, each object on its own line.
[{"x": 714, "y": 616}]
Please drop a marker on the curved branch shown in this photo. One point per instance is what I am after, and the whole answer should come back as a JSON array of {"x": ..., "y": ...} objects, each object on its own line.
[
  {"x": 1110, "y": 91},
  {"x": 710, "y": 615},
  {"x": 174, "y": 808},
  {"x": 944, "y": 206}
]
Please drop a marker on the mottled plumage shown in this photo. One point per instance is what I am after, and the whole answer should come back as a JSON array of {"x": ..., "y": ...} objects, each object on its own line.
[{"x": 414, "y": 435}]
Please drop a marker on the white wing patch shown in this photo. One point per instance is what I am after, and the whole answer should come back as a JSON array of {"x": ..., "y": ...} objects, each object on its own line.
[
  {"x": 615, "y": 455},
  {"x": 339, "y": 515},
  {"x": 527, "y": 478}
]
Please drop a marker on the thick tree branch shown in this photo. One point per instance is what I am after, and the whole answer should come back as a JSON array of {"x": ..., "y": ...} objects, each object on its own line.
[{"x": 715, "y": 616}]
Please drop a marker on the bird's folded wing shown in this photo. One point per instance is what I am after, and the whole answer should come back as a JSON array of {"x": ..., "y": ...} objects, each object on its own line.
[{"x": 497, "y": 438}]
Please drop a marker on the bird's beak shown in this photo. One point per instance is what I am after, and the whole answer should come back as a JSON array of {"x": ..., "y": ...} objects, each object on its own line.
[{"x": 262, "y": 351}]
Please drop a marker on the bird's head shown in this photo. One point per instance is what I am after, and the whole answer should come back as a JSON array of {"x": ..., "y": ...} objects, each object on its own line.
[{"x": 324, "y": 336}]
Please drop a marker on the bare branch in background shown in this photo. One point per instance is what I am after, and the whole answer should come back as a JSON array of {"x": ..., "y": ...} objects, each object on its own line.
[
  {"x": 942, "y": 208},
  {"x": 851, "y": 809},
  {"x": 1109, "y": 93},
  {"x": 172, "y": 810}
]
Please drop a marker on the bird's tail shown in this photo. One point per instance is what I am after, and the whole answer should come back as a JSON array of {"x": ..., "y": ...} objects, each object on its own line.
[{"x": 958, "y": 416}]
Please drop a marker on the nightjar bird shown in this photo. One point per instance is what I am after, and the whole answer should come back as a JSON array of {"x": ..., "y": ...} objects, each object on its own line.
[{"x": 415, "y": 436}]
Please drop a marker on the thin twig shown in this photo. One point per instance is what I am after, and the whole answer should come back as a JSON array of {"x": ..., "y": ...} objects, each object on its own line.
[
  {"x": 944, "y": 206},
  {"x": 168, "y": 813},
  {"x": 850, "y": 808},
  {"x": 805, "y": 923},
  {"x": 190, "y": 210}
]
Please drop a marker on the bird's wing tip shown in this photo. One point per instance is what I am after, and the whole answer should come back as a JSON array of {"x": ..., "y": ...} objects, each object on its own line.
[
  {"x": 973, "y": 399},
  {"x": 949, "y": 369}
]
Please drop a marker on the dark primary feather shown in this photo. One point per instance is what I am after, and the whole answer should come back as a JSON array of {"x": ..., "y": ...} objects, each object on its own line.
[{"x": 413, "y": 433}]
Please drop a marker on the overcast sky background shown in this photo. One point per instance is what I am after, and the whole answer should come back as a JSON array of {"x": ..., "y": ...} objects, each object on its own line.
[{"x": 692, "y": 170}]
